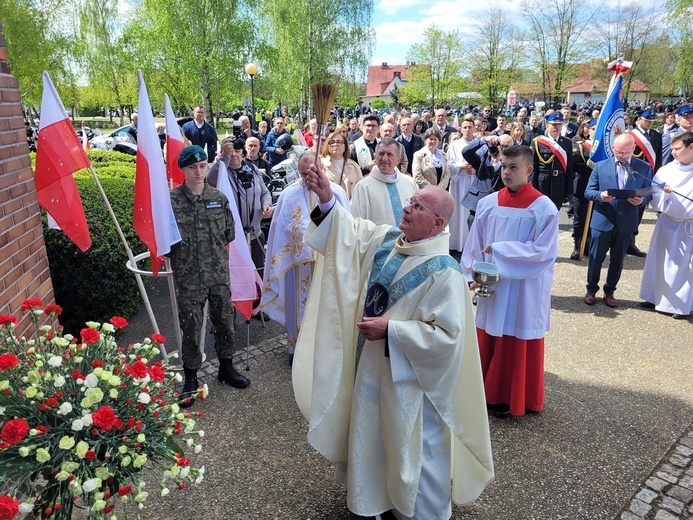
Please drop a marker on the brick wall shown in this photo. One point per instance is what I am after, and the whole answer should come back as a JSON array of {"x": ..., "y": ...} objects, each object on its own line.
[{"x": 23, "y": 262}]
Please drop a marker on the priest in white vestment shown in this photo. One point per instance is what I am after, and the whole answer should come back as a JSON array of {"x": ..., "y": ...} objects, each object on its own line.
[
  {"x": 461, "y": 177},
  {"x": 517, "y": 230},
  {"x": 290, "y": 262},
  {"x": 387, "y": 368},
  {"x": 667, "y": 281},
  {"x": 381, "y": 196}
]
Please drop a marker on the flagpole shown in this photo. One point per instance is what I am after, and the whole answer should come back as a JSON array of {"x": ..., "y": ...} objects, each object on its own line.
[
  {"x": 131, "y": 259},
  {"x": 585, "y": 229}
]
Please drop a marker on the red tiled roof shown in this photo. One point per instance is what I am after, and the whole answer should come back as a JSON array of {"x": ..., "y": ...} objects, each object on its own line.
[
  {"x": 380, "y": 76},
  {"x": 600, "y": 85}
]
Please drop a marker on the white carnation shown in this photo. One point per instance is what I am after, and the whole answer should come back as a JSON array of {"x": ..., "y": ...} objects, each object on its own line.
[{"x": 55, "y": 361}]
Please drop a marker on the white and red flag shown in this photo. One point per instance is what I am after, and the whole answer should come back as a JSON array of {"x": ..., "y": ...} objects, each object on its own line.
[
  {"x": 244, "y": 277},
  {"x": 174, "y": 144},
  {"x": 85, "y": 140},
  {"x": 619, "y": 66},
  {"x": 58, "y": 155},
  {"x": 456, "y": 123},
  {"x": 152, "y": 213}
]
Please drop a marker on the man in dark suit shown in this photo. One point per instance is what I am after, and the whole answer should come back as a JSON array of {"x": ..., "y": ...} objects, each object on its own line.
[
  {"x": 648, "y": 148},
  {"x": 569, "y": 129},
  {"x": 199, "y": 132},
  {"x": 614, "y": 220},
  {"x": 412, "y": 142},
  {"x": 443, "y": 127}
]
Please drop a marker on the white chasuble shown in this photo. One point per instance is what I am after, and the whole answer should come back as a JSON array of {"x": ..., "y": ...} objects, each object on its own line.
[
  {"x": 459, "y": 186},
  {"x": 380, "y": 199},
  {"x": 363, "y": 418}
]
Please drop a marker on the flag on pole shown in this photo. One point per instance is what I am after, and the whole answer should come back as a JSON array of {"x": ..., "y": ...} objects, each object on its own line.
[
  {"x": 152, "y": 213},
  {"x": 244, "y": 276},
  {"x": 174, "y": 144},
  {"x": 610, "y": 124},
  {"x": 85, "y": 140},
  {"x": 59, "y": 154},
  {"x": 456, "y": 123},
  {"x": 301, "y": 140}
]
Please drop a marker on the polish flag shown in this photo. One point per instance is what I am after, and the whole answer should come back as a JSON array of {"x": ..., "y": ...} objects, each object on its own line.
[
  {"x": 174, "y": 144},
  {"x": 244, "y": 277},
  {"x": 85, "y": 140},
  {"x": 456, "y": 123},
  {"x": 59, "y": 154},
  {"x": 152, "y": 213}
]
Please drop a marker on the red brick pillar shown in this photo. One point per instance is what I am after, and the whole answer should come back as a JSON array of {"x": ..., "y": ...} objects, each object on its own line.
[{"x": 24, "y": 269}]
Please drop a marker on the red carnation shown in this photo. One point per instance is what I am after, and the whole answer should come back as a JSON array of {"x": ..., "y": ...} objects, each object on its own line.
[
  {"x": 51, "y": 402},
  {"x": 124, "y": 490},
  {"x": 89, "y": 336},
  {"x": 157, "y": 373},
  {"x": 90, "y": 455},
  {"x": 97, "y": 363},
  {"x": 77, "y": 374},
  {"x": 138, "y": 370},
  {"x": 108, "y": 509},
  {"x": 14, "y": 431},
  {"x": 158, "y": 338},
  {"x": 8, "y": 361},
  {"x": 53, "y": 308},
  {"x": 31, "y": 303},
  {"x": 119, "y": 322},
  {"x": 104, "y": 418},
  {"x": 7, "y": 318},
  {"x": 9, "y": 507},
  {"x": 42, "y": 428}
]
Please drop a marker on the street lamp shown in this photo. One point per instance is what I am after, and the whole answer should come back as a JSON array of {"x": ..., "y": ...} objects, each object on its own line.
[{"x": 251, "y": 70}]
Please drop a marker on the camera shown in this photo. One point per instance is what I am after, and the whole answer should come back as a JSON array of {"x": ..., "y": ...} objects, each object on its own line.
[
  {"x": 245, "y": 178},
  {"x": 493, "y": 149}
]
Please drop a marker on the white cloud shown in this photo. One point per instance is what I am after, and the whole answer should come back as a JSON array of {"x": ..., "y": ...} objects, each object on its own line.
[{"x": 391, "y": 7}]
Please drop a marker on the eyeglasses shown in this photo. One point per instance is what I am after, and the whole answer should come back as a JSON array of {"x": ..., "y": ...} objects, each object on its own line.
[
  {"x": 335, "y": 142},
  {"x": 371, "y": 126},
  {"x": 417, "y": 206}
]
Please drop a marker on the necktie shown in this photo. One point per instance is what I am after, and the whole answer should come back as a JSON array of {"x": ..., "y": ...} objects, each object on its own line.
[{"x": 627, "y": 170}]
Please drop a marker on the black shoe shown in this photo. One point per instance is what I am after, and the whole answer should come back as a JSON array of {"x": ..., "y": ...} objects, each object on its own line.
[
  {"x": 388, "y": 515},
  {"x": 647, "y": 305},
  {"x": 634, "y": 251},
  {"x": 187, "y": 397},
  {"x": 575, "y": 255},
  {"x": 291, "y": 360},
  {"x": 679, "y": 316},
  {"x": 229, "y": 375}
]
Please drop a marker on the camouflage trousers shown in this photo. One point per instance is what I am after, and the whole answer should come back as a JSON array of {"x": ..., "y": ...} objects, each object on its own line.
[{"x": 191, "y": 303}]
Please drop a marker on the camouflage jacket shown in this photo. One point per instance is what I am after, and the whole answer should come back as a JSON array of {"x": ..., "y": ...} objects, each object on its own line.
[{"x": 201, "y": 258}]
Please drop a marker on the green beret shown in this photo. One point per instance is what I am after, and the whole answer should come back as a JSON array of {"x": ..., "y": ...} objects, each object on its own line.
[{"x": 191, "y": 155}]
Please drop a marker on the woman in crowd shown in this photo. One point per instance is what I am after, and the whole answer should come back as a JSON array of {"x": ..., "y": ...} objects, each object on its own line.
[
  {"x": 517, "y": 132},
  {"x": 583, "y": 133},
  {"x": 337, "y": 165},
  {"x": 430, "y": 165},
  {"x": 419, "y": 127}
]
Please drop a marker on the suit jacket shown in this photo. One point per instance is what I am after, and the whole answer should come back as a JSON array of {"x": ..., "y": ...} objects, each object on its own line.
[
  {"x": 570, "y": 130},
  {"x": 655, "y": 139},
  {"x": 618, "y": 212},
  {"x": 205, "y": 136},
  {"x": 417, "y": 143},
  {"x": 425, "y": 174}
]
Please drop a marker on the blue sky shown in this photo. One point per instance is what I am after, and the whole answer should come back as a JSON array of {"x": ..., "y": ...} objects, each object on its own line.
[{"x": 400, "y": 23}]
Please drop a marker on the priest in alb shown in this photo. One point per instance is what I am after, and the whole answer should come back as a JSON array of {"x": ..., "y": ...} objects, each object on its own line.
[
  {"x": 517, "y": 230},
  {"x": 387, "y": 368},
  {"x": 667, "y": 281},
  {"x": 380, "y": 196}
]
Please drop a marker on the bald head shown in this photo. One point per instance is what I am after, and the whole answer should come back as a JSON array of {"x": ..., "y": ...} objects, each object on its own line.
[
  {"x": 506, "y": 140},
  {"x": 439, "y": 201},
  {"x": 623, "y": 147}
]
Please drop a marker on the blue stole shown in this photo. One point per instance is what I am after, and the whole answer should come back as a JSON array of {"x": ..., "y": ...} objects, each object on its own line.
[
  {"x": 383, "y": 273},
  {"x": 395, "y": 201}
]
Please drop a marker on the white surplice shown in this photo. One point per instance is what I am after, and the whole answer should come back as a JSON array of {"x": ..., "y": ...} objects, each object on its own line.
[
  {"x": 459, "y": 186},
  {"x": 667, "y": 280},
  {"x": 377, "y": 422},
  {"x": 289, "y": 262},
  {"x": 371, "y": 199},
  {"x": 525, "y": 247}
]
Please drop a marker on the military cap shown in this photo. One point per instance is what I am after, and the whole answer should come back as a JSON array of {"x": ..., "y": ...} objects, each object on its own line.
[
  {"x": 648, "y": 114},
  {"x": 191, "y": 155},
  {"x": 554, "y": 119},
  {"x": 685, "y": 110}
]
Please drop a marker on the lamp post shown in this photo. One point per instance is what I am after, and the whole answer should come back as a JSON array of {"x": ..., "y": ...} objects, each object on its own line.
[{"x": 251, "y": 70}]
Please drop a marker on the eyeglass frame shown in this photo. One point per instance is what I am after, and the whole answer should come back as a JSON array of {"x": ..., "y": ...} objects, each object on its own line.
[
  {"x": 417, "y": 206},
  {"x": 334, "y": 141}
]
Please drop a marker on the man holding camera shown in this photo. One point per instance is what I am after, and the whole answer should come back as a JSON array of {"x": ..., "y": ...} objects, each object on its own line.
[{"x": 253, "y": 199}]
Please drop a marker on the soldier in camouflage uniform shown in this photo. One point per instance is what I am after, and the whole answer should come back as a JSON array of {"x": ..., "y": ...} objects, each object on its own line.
[{"x": 200, "y": 264}]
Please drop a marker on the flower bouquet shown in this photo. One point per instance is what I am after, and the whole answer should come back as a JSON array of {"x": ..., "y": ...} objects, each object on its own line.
[{"x": 82, "y": 420}]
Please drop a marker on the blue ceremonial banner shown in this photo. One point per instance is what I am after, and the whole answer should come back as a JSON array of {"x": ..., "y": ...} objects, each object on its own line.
[{"x": 610, "y": 123}]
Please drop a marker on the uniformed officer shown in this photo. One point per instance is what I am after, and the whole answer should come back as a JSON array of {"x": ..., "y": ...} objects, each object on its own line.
[
  {"x": 684, "y": 123},
  {"x": 200, "y": 263},
  {"x": 553, "y": 162},
  {"x": 581, "y": 155}
]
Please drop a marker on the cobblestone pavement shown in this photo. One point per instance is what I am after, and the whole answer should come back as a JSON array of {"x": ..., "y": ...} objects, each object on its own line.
[{"x": 667, "y": 494}]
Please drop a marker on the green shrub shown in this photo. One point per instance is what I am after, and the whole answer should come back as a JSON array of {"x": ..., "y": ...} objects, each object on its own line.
[
  {"x": 96, "y": 285},
  {"x": 107, "y": 157}
]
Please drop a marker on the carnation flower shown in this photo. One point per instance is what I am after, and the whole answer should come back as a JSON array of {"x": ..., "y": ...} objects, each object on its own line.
[
  {"x": 9, "y": 507},
  {"x": 31, "y": 303},
  {"x": 53, "y": 308},
  {"x": 8, "y": 361},
  {"x": 119, "y": 322},
  {"x": 144, "y": 398},
  {"x": 90, "y": 485},
  {"x": 89, "y": 336},
  {"x": 138, "y": 370},
  {"x": 55, "y": 361},
  {"x": 104, "y": 418},
  {"x": 14, "y": 431},
  {"x": 158, "y": 338},
  {"x": 8, "y": 319},
  {"x": 65, "y": 408}
]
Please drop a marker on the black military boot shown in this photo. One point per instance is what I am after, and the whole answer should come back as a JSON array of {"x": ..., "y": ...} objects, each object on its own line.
[
  {"x": 230, "y": 376},
  {"x": 575, "y": 255},
  {"x": 190, "y": 386}
]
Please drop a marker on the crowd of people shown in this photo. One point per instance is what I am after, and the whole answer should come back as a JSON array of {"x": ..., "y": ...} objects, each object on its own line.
[{"x": 370, "y": 264}]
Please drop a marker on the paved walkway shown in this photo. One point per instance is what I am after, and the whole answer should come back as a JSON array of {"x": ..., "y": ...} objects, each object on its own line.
[{"x": 614, "y": 441}]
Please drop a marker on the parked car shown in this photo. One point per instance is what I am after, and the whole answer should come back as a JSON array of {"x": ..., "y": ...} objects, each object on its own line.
[{"x": 118, "y": 140}]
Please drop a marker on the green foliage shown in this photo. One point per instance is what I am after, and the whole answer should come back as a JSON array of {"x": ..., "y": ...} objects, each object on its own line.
[
  {"x": 381, "y": 103},
  {"x": 103, "y": 156},
  {"x": 96, "y": 285},
  {"x": 681, "y": 18}
]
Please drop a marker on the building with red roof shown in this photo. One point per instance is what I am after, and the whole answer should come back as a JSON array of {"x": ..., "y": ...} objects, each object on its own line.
[{"x": 382, "y": 79}]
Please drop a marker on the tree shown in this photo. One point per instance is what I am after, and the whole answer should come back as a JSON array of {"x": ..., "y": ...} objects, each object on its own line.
[
  {"x": 436, "y": 68},
  {"x": 494, "y": 55},
  {"x": 556, "y": 29},
  {"x": 680, "y": 14}
]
